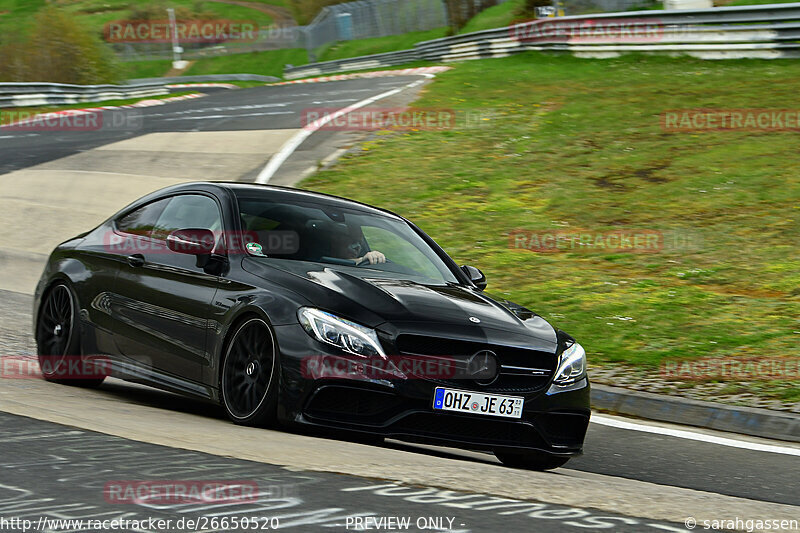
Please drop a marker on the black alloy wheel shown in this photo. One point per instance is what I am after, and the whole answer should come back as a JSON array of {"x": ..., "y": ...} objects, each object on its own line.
[
  {"x": 248, "y": 382},
  {"x": 58, "y": 342}
]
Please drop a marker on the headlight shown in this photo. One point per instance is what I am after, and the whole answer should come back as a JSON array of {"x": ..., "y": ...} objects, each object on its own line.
[
  {"x": 571, "y": 365},
  {"x": 344, "y": 334}
]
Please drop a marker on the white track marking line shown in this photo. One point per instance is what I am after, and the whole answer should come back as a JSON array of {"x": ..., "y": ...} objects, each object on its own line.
[
  {"x": 241, "y": 115},
  {"x": 691, "y": 435},
  {"x": 291, "y": 145},
  {"x": 343, "y": 100}
]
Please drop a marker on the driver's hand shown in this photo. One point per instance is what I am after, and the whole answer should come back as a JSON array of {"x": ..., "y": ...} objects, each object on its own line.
[{"x": 373, "y": 257}]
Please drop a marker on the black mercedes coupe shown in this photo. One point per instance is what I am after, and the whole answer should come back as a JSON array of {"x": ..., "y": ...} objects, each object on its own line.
[{"x": 290, "y": 306}]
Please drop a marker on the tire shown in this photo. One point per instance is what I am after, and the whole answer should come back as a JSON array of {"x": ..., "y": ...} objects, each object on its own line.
[
  {"x": 249, "y": 373},
  {"x": 531, "y": 460},
  {"x": 58, "y": 343}
]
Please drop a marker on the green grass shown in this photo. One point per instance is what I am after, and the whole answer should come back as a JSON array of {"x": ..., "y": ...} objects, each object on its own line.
[
  {"x": 145, "y": 69},
  {"x": 566, "y": 143},
  {"x": 17, "y": 15},
  {"x": 266, "y": 63},
  {"x": 378, "y": 45},
  {"x": 494, "y": 17}
]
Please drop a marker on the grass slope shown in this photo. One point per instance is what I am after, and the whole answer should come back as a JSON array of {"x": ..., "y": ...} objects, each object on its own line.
[
  {"x": 565, "y": 143},
  {"x": 493, "y": 17},
  {"x": 266, "y": 63},
  {"x": 378, "y": 45}
]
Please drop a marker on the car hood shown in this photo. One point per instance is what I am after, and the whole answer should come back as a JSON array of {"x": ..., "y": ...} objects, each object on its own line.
[{"x": 373, "y": 298}]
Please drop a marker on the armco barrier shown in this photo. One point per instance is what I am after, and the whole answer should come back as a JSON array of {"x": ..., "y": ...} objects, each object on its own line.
[
  {"x": 353, "y": 63},
  {"x": 207, "y": 78},
  {"x": 758, "y": 31},
  {"x": 37, "y": 94}
]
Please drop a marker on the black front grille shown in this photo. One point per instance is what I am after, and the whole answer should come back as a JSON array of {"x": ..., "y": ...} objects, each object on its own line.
[{"x": 521, "y": 370}]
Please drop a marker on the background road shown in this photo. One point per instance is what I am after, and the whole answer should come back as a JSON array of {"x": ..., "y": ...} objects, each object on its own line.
[
  {"x": 54, "y": 185},
  {"x": 268, "y": 108}
]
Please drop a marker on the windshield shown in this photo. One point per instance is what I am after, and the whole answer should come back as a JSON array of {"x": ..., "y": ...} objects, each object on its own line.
[{"x": 329, "y": 233}]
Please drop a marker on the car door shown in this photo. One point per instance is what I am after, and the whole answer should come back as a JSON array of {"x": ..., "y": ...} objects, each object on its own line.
[
  {"x": 163, "y": 298},
  {"x": 103, "y": 251}
]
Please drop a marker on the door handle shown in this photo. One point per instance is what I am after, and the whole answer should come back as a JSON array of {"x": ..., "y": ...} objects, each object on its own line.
[{"x": 136, "y": 260}]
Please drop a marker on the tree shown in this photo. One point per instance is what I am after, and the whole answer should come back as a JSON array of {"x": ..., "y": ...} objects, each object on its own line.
[{"x": 58, "y": 49}]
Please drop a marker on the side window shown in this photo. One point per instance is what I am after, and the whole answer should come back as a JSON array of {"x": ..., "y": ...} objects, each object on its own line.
[
  {"x": 143, "y": 220},
  {"x": 188, "y": 211},
  {"x": 399, "y": 250}
]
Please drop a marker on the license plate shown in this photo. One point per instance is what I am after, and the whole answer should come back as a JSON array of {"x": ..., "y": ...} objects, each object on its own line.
[{"x": 477, "y": 403}]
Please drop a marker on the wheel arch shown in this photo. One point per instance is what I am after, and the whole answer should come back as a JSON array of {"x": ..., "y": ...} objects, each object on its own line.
[
  {"x": 230, "y": 328},
  {"x": 69, "y": 268},
  {"x": 44, "y": 290}
]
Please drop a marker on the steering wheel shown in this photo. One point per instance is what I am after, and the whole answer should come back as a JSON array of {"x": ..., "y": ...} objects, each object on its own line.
[{"x": 367, "y": 263}]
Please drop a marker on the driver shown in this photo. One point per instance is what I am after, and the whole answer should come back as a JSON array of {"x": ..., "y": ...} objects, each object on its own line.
[
  {"x": 345, "y": 248},
  {"x": 373, "y": 256}
]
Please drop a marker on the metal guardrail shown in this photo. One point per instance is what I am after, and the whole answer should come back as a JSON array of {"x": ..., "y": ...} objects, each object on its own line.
[
  {"x": 207, "y": 78},
  {"x": 759, "y": 31},
  {"x": 16, "y": 94},
  {"x": 354, "y": 63}
]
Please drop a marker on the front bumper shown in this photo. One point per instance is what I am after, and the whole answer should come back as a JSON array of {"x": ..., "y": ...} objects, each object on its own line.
[{"x": 554, "y": 419}]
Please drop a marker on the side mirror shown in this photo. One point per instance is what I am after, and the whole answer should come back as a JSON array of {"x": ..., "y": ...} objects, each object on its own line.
[
  {"x": 475, "y": 276},
  {"x": 191, "y": 241}
]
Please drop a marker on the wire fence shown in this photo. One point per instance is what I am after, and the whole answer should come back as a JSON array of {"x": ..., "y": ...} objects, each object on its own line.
[
  {"x": 268, "y": 38},
  {"x": 365, "y": 19}
]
